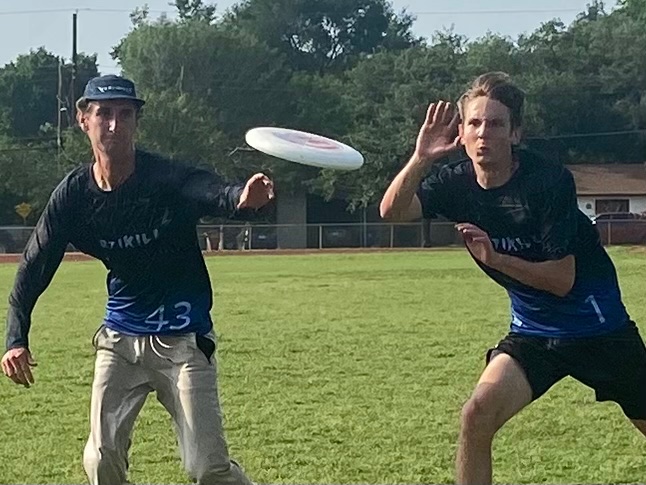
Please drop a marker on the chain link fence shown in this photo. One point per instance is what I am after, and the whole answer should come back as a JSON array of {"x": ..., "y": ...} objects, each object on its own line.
[{"x": 327, "y": 236}]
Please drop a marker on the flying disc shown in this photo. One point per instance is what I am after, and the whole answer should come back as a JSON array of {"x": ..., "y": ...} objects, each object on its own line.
[{"x": 305, "y": 148}]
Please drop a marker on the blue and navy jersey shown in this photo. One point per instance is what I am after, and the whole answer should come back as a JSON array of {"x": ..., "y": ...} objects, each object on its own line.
[
  {"x": 535, "y": 216},
  {"x": 143, "y": 232}
]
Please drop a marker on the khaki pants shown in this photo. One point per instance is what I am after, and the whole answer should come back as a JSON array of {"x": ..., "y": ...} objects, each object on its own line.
[{"x": 127, "y": 369}]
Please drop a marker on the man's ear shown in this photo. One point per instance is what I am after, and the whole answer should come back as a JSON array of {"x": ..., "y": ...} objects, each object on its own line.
[
  {"x": 81, "y": 120},
  {"x": 461, "y": 133}
]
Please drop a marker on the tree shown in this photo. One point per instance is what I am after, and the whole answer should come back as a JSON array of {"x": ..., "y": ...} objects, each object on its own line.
[
  {"x": 388, "y": 95},
  {"x": 206, "y": 87},
  {"x": 326, "y": 35},
  {"x": 29, "y": 156},
  {"x": 620, "y": 41},
  {"x": 29, "y": 174},
  {"x": 240, "y": 79},
  {"x": 29, "y": 88},
  {"x": 585, "y": 79},
  {"x": 195, "y": 10},
  {"x": 492, "y": 53}
]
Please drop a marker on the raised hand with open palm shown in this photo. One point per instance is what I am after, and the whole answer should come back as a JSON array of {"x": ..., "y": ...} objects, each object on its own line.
[{"x": 438, "y": 136}]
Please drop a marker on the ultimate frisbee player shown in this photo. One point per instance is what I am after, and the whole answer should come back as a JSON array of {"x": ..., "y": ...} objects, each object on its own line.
[
  {"x": 136, "y": 212},
  {"x": 520, "y": 221}
]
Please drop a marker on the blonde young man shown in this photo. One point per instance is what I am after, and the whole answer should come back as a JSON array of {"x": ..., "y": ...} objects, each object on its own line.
[
  {"x": 520, "y": 221},
  {"x": 136, "y": 212}
]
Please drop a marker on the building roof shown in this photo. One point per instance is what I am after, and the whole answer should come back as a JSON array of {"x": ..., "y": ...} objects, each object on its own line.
[{"x": 610, "y": 179}]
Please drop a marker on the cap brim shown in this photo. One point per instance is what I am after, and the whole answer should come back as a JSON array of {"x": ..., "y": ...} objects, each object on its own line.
[{"x": 107, "y": 97}]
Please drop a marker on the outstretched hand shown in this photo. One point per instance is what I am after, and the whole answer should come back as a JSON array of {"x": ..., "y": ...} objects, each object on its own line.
[
  {"x": 478, "y": 244},
  {"x": 257, "y": 192},
  {"x": 438, "y": 136},
  {"x": 17, "y": 364}
]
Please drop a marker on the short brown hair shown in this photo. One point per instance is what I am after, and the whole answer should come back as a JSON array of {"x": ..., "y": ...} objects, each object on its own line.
[{"x": 498, "y": 86}]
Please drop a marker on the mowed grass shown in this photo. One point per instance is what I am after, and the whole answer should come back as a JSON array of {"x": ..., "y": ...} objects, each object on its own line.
[{"x": 334, "y": 368}]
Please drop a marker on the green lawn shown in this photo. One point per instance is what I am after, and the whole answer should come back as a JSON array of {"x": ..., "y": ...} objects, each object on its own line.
[{"x": 334, "y": 368}]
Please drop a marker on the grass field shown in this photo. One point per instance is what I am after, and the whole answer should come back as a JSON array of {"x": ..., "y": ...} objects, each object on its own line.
[{"x": 334, "y": 368}]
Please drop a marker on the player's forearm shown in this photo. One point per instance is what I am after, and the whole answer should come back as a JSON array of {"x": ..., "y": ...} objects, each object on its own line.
[
  {"x": 230, "y": 197},
  {"x": 211, "y": 195},
  {"x": 399, "y": 195},
  {"x": 22, "y": 300},
  {"x": 222, "y": 199},
  {"x": 556, "y": 277},
  {"x": 40, "y": 261},
  {"x": 18, "y": 325}
]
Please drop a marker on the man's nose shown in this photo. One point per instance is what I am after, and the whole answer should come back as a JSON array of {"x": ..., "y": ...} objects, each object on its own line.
[{"x": 483, "y": 129}]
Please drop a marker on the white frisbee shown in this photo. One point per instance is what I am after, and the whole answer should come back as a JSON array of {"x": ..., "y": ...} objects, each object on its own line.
[{"x": 305, "y": 148}]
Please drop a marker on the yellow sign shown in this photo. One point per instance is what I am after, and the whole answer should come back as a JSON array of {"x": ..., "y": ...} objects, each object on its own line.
[{"x": 23, "y": 210}]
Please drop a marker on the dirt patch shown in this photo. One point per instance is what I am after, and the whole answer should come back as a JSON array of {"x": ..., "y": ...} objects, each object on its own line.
[{"x": 15, "y": 258}]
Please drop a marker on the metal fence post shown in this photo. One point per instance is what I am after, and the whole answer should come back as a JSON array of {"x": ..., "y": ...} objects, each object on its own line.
[
  {"x": 422, "y": 233},
  {"x": 392, "y": 235},
  {"x": 320, "y": 236}
]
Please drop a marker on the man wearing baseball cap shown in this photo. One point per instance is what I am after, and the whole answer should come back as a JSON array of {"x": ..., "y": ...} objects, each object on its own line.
[
  {"x": 136, "y": 212},
  {"x": 111, "y": 86}
]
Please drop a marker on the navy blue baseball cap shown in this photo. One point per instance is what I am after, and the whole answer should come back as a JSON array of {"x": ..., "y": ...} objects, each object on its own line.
[{"x": 111, "y": 86}]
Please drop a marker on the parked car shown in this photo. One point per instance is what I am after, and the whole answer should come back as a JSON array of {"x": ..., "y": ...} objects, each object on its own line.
[
  {"x": 341, "y": 237},
  {"x": 621, "y": 227},
  {"x": 616, "y": 216},
  {"x": 264, "y": 237}
]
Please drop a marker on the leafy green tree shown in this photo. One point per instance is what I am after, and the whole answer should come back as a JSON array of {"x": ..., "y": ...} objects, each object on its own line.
[
  {"x": 29, "y": 88},
  {"x": 326, "y": 35}
]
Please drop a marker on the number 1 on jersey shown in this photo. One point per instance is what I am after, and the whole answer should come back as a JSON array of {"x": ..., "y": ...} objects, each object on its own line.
[{"x": 595, "y": 305}]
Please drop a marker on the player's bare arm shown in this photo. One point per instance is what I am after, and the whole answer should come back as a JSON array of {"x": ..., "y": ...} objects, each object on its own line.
[
  {"x": 257, "y": 192},
  {"x": 437, "y": 138},
  {"x": 556, "y": 276}
]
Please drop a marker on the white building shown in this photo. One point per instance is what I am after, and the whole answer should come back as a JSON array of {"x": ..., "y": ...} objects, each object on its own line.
[{"x": 610, "y": 187}]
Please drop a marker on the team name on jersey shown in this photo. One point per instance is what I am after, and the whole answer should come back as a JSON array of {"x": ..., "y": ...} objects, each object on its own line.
[
  {"x": 131, "y": 241},
  {"x": 136, "y": 240},
  {"x": 513, "y": 244}
]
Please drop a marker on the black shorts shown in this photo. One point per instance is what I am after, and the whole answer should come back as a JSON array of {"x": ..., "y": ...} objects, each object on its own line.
[{"x": 614, "y": 365}]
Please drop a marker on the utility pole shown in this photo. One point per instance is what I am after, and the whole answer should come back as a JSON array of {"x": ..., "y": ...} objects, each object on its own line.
[
  {"x": 59, "y": 111},
  {"x": 74, "y": 58}
]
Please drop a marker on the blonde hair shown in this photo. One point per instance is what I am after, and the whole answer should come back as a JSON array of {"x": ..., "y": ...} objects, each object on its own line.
[{"x": 498, "y": 86}]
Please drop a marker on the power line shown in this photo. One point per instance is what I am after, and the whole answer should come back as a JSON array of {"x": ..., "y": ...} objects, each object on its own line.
[
  {"x": 71, "y": 10},
  {"x": 586, "y": 135},
  {"x": 497, "y": 12},
  {"x": 436, "y": 12}
]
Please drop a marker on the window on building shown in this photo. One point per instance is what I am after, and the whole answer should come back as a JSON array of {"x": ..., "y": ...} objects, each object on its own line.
[{"x": 611, "y": 205}]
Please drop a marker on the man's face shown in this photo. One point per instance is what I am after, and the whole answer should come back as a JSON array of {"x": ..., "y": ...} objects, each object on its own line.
[
  {"x": 110, "y": 124},
  {"x": 486, "y": 131}
]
